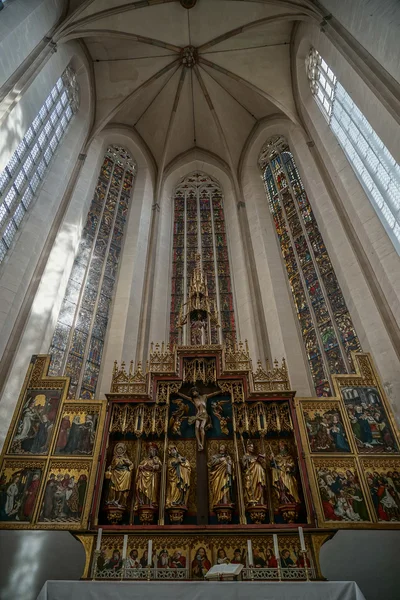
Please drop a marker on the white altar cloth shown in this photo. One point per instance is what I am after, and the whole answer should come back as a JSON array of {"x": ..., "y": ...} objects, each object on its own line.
[{"x": 199, "y": 590}]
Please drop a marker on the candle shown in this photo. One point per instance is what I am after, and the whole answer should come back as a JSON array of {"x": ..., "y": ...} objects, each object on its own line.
[
  {"x": 276, "y": 547},
  {"x": 124, "y": 547},
  {"x": 99, "y": 534},
  {"x": 250, "y": 553},
  {"x": 302, "y": 542},
  {"x": 149, "y": 553}
]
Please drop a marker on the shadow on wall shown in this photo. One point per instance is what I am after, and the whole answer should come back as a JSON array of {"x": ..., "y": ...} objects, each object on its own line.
[
  {"x": 29, "y": 558},
  {"x": 370, "y": 558}
]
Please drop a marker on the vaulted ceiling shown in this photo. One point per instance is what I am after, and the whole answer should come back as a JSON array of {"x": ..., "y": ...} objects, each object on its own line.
[{"x": 184, "y": 78}]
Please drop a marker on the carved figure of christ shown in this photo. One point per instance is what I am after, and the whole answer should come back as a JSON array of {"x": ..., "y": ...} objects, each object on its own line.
[{"x": 202, "y": 417}]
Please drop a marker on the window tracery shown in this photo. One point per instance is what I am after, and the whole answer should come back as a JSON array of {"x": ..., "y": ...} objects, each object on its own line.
[
  {"x": 78, "y": 341},
  {"x": 27, "y": 167},
  {"x": 199, "y": 226},
  {"x": 328, "y": 333},
  {"x": 374, "y": 166}
]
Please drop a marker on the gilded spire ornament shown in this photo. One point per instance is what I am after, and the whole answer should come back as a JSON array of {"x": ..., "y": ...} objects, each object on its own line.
[{"x": 199, "y": 313}]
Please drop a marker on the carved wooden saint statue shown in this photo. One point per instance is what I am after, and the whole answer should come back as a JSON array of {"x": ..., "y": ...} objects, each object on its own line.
[
  {"x": 283, "y": 469},
  {"x": 221, "y": 477},
  {"x": 201, "y": 419},
  {"x": 148, "y": 479},
  {"x": 255, "y": 479},
  {"x": 120, "y": 475},
  {"x": 178, "y": 478}
]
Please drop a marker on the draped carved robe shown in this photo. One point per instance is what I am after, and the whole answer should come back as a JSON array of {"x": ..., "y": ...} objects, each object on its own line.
[
  {"x": 221, "y": 479},
  {"x": 178, "y": 486},
  {"x": 148, "y": 482},
  {"x": 255, "y": 480}
]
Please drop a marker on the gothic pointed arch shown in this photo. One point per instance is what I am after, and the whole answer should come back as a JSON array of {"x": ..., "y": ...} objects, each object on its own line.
[{"x": 199, "y": 227}]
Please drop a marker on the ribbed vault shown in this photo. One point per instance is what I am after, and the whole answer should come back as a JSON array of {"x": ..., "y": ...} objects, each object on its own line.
[{"x": 198, "y": 78}]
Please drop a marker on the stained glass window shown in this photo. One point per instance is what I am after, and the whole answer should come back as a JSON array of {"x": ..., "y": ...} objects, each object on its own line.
[
  {"x": 78, "y": 341},
  {"x": 326, "y": 326},
  {"x": 27, "y": 167},
  {"x": 199, "y": 226},
  {"x": 375, "y": 167}
]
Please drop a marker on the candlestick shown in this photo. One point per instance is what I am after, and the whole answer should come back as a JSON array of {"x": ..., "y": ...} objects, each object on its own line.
[
  {"x": 124, "y": 547},
  {"x": 250, "y": 553},
  {"x": 302, "y": 542},
  {"x": 149, "y": 553},
  {"x": 99, "y": 534},
  {"x": 276, "y": 547}
]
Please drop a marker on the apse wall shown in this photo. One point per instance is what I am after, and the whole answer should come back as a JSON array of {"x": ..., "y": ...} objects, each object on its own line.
[{"x": 364, "y": 256}]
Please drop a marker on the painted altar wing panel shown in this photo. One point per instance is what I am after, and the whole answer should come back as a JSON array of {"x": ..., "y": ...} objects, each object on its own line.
[
  {"x": 36, "y": 421},
  {"x": 20, "y": 482},
  {"x": 77, "y": 430},
  {"x": 65, "y": 494},
  {"x": 340, "y": 492},
  {"x": 324, "y": 427},
  {"x": 383, "y": 482},
  {"x": 370, "y": 424}
]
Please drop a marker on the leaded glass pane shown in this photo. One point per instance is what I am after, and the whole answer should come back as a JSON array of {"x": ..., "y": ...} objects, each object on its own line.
[
  {"x": 3, "y": 213},
  {"x": 199, "y": 226},
  {"x": 4, "y": 179},
  {"x": 3, "y": 250},
  {"x": 29, "y": 137},
  {"x": 13, "y": 164},
  {"x": 21, "y": 149},
  {"x": 78, "y": 343},
  {"x": 320, "y": 305},
  {"x": 28, "y": 166},
  {"x": 19, "y": 215},
  {"x": 41, "y": 168},
  {"x": 10, "y": 197},
  {"x": 57, "y": 357},
  {"x": 61, "y": 335},
  {"x": 91, "y": 308},
  {"x": 35, "y": 182},
  {"x": 375, "y": 167},
  {"x": 67, "y": 313},
  {"x": 27, "y": 198}
]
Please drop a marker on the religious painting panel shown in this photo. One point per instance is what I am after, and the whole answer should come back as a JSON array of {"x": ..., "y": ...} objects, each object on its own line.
[
  {"x": 77, "y": 432},
  {"x": 323, "y": 426},
  {"x": 370, "y": 422},
  {"x": 20, "y": 482},
  {"x": 383, "y": 482},
  {"x": 108, "y": 562},
  {"x": 201, "y": 557},
  {"x": 36, "y": 420},
  {"x": 68, "y": 486},
  {"x": 341, "y": 495}
]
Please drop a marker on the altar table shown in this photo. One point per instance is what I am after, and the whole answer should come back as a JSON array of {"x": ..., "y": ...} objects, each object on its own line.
[{"x": 194, "y": 590}]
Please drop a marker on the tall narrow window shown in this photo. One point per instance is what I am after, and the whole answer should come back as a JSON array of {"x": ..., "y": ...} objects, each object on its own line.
[
  {"x": 79, "y": 336},
  {"x": 199, "y": 226},
  {"x": 26, "y": 169},
  {"x": 326, "y": 326},
  {"x": 375, "y": 167}
]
